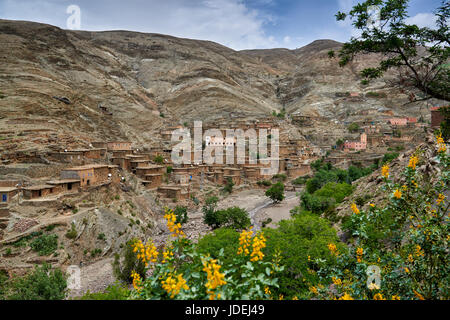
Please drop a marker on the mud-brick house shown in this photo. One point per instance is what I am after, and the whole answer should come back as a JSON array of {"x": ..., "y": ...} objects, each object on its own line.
[
  {"x": 134, "y": 164},
  {"x": 66, "y": 185},
  {"x": 152, "y": 181},
  {"x": 437, "y": 117},
  {"x": 93, "y": 174},
  {"x": 299, "y": 171},
  {"x": 401, "y": 122},
  {"x": 119, "y": 145},
  {"x": 6, "y": 194},
  {"x": 122, "y": 162},
  {"x": 155, "y": 169},
  {"x": 100, "y": 144},
  {"x": 173, "y": 192},
  {"x": 40, "y": 191}
]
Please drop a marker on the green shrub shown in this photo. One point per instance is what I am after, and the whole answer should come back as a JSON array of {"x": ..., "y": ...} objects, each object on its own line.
[
  {"x": 229, "y": 185},
  {"x": 123, "y": 267},
  {"x": 45, "y": 244},
  {"x": 222, "y": 238},
  {"x": 297, "y": 239},
  {"x": 158, "y": 159},
  {"x": 276, "y": 192},
  {"x": 72, "y": 233},
  {"x": 43, "y": 283},
  {"x": 101, "y": 236},
  {"x": 181, "y": 213},
  {"x": 112, "y": 292},
  {"x": 235, "y": 218}
]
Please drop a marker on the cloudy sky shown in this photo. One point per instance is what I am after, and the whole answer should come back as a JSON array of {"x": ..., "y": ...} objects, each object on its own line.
[{"x": 239, "y": 24}]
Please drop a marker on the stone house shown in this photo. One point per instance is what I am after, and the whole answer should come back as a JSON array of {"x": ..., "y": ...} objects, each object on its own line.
[
  {"x": 40, "y": 191},
  {"x": 119, "y": 145},
  {"x": 6, "y": 193}
]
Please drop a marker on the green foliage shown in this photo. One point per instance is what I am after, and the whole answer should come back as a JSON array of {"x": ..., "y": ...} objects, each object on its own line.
[
  {"x": 276, "y": 192},
  {"x": 209, "y": 210},
  {"x": 101, "y": 236},
  {"x": 279, "y": 177},
  {"x": 123, "y": 266},
  {"x": 181, "y": 213},
  {"x": 423, "y": 51},
  {"x": 45, "y": 244},
  {"x": 388, "y": 157},
  {"x": 297, "y": 238},
  {"x": 96, "y": 252},
  {"x": 225, "y": 239},
  {"x": 113, "y": 292},
  {"x": 445, "y": 125},
  {"x": 43, "y": 283},
  {"x": 407, "y": 238},
  {"x": 300, "y": 180},
  {"x": 354, "y": 127},
  {"x": 235, "y": 218},
  {"x": 72, "y": 233},
  {"x": 158, "y": 159},
  {"x": 169, "y": 169},
  {"x": 265, "y": 183},
  {"x": 229, "y": 185},
  {"x": 331, "y": 54}
]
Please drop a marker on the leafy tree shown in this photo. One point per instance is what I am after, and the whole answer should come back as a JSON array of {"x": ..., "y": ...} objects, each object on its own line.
[
  {"x": 445, "y": 125},
  {"x": 235, "y": 218},
  {"x": 276, "y": 192},
  {"x": 300, "y": 240},
  {"x": 209, "y": 210},
  {"x": 43, "y": 283},
  {"x": 419, "y": 54}
]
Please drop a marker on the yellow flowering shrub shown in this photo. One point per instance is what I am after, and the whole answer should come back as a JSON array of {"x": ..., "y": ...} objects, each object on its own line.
[
  {"x": 402, "y": 247},
  {"x": 179, "y": 271}
]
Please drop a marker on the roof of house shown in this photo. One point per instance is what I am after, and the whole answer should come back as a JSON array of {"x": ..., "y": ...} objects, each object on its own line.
[
  {"x": 63, "y": 181},
  {"x": 7, "y": 189},
  {"x": 86, "y": 167},
  {"x": 39, "y": 187}
]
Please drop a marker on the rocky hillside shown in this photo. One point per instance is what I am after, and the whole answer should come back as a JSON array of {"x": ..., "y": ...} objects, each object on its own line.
[{"x": 127, "y": 85}]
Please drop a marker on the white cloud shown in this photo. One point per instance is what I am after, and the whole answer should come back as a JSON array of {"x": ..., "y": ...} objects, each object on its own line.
[
  {"x": 423, "y": 20},
  {"x": 229, "y": 22},
  {"x": 287, "y": 40}
]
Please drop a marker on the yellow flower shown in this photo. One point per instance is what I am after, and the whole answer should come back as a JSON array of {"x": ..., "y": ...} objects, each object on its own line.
[
  {"x": 173, "y": 284},
  {"x": 333, "y": 249},
  {"x": 440, "y": 198},
  {"x": 244, "y": 241},
  {"x": 295, "y": 298},
  {"x": 258, "y": 244},
  {"x": 313, "y": 290},
  {"x": 372, "y": 205},
  {"x": 354, "y": 208},
  {"x": 137, "y": 282},
  {"x": 215, "y": 279},
  {"x": 441, "y": 143},
  {"x": 410, "y": 258},
  {"x": 406, "y": 269},
  {"x": 419, "y": 251},
  {"x": 413, "y": 162},
  {"x": 378, "y": 296},
  {"x": 359, "y": 254},
  {"x": 395, "y": 297},
  {"x": 174, "y": 228},
  {"x": 336, "y": 281},
  {"x": 146, "y": 253},
  {"x": 267, "y": 291},
  {"x": 280, "y": 297},
  {"x": 397, "y": 194},
  {"x": 346, "y": 296},
  {"x": 385, "y": 171}
]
